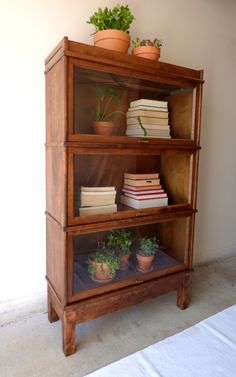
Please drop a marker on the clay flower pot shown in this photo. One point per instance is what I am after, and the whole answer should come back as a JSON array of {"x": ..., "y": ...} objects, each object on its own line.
[
  {"x": 101, "y": 272},
  {"x": 144, "y": 263},
  {"x": 124, "y": 262},
  {"x": 112, "y": 39},
  {"x": 147, "y": 52},
  {"x": 103, "y": 128}
]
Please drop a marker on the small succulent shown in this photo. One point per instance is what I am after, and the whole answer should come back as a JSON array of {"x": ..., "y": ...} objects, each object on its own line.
[
  {"x": 157, "y": 42},
  {"x": 105, "y": 255},
  {"x": 148, "y": 246},
  {"x": 120, "y": 240}
]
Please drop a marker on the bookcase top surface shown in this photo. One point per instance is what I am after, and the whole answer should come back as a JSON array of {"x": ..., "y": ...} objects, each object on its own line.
[{"x": 107, "y": 57}]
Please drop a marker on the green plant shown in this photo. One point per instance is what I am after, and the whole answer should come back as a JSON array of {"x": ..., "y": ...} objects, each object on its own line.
[
  {"x": 141, "y": 125},
  {"x": 120, "y": 240},
  {"x": 148, "y": 246},
  {"x": 105, "y": 255},
  {"x": 147, "y": 42},
  {"x": 105, "y": 98},
  {"x": 119, "y": 18}
]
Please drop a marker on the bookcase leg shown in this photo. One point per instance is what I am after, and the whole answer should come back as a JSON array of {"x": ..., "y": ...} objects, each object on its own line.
[
  {"x": 69, "y": 333},
  {"x": 183, "y": 293},
  {"x": 52, "y": 315}
]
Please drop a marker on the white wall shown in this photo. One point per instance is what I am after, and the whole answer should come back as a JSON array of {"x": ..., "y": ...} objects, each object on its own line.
[{"x": 197, "y": 34}]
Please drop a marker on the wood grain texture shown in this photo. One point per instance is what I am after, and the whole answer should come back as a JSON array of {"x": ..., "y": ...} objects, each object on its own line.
[
  {"x": 56, "y": 183},
  {"x": 56, "y": 103},
  {"x": 56, "y": 262}
]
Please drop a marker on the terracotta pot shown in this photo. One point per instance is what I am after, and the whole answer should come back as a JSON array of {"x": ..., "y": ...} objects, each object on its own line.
[
  {"x": 124, "y": 262},
  {"x": 112, "y": 39},
  {"x": 103, "y": 128},
  {"x": 147, "y": 52},
  {"x": 101, "y": 272},
  {"x": 144, "y": 263}
]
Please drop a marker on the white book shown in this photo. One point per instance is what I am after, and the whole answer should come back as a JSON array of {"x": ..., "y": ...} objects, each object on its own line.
[
  {"x": 147, "y": 196},
  {"x": 98, "y": 188},
  {"x": 146, "y": 203},
  {"x": 97, "y": 198},
  {"x": 149, "y": 102},
  {"x": 148, "y": 120},
  {"x": 153, "y": 113},
  {"x": 97, "y": 210},
  {"x": 143, "y": 192},
  {"x": 153, "y": 108},
  {"x": 151, "y": 136},
  {"x": 148, "y": 127},
  {"x": 150, "y": 133}
]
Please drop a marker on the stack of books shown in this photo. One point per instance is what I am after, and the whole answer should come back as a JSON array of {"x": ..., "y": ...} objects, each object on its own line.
[
  {"x": 143, "y": 190},
  {"x": 97, "y": 200},
  {"x": 152, "y": 114}
]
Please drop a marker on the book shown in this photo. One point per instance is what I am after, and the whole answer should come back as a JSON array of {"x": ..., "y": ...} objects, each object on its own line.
[
  {"x": 141, "y": 188},
  {"x": 141, "y": 175},
  {"x": 141, "y": 134},
  {"x": 92, "y": 198},
  {"x": 104, "y": 188},
  {"x": 142, "y": 192},
  {"x": 149, "y": 102},
  {"x": 147, "y": 196},
  {"x": 96, "y": 210},
  {"x": 145, "y": 203},
  {"x": 134, "y": 112},
  {"x": 149, "y": 108},
  {"x": 148, "y": 127},
  {"x": 141, "y": 182},
  {"x": 136, "y": 131},
  {"x": 147, "y": 120}
]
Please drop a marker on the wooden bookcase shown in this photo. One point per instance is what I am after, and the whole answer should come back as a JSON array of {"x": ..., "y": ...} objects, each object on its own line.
[{"x": 76, "y": 157}]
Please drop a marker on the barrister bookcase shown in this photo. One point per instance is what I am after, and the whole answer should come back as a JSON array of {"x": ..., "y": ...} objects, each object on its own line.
[{"x": 76, "y": 156}]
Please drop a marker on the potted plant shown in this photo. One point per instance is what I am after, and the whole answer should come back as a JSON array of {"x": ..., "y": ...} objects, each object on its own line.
[
  {"x": 103, "y": 263},
  {"x": 147, "y": 49},
  {"x": 145, "y": 255},
  {"x": 111, "y": 27},
  {"x": 101, "y": 125},
  {"x": 120, "y": 240}
]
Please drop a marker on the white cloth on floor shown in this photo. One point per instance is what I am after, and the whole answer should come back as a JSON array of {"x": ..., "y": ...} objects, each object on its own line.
[{"x": 207, "y": 349}]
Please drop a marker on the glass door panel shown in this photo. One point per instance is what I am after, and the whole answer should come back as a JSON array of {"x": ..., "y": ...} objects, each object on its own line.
[{"x": 165, "y": 111}]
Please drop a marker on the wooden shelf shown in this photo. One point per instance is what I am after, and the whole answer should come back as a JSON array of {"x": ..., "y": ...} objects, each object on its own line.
[{"x": 85, "y": 287}]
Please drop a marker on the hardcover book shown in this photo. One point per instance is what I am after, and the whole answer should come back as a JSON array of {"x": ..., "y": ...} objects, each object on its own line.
[
  {"x": 134, "y": 112},
  {"x": 140, "y": 132},
  {"x": 142, "y": 188},
  {"x": 141, "y": 182},
  {"x": 147, "y": 120},
  {"x": 142, "y": 192},
  {"x": 97, "y": 210},
  {"x": 152, "y": 108},
  {"x": 146, "y": 203},
  {"x": 98, "y": 188},
  {"x": 141, "y": 175},
  {"x": 147, "y": 196},
  {"x": 149, "y": 102},
  {"x": 92, "y": 198}
]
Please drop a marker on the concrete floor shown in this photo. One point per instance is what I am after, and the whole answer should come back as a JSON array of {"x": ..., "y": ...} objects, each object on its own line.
[{"x": 31, "y": 347}]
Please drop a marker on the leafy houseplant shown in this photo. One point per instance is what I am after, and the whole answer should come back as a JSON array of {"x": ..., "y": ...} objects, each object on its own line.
[
  {"x": 120, "y": 240},
  {"x": 146, "y": 48},
  {"x": 110, "y": 24},
  {"x": 103, "y": 263},
  {"x": 102, "y": 110},
  {"x": 145, "y": 255}
]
